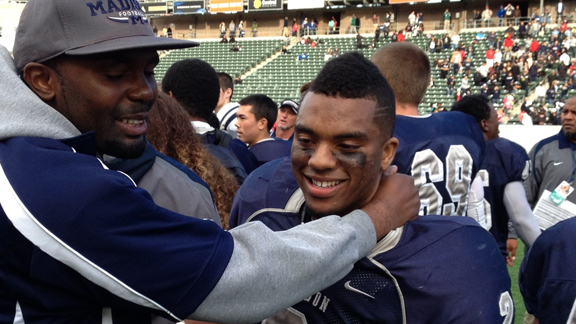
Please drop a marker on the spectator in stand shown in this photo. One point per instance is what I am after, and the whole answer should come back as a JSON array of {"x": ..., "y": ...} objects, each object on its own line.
[
  {"x": 222, "y": 29},
  {"x": 232, "y": 29},
  {"x": 432, "y": 45},
  {"x": 444, "y": 69},
  {"x": 501, "y": 13},
  {"x": 517, "y": 15},
  {"x": 256, "y": 115},
  {"x": 450, "y": 88},
  {"x": 522, "y": 31},
  {"x": 508, "y": 42},
  {"x": 375, "y": 23},
  {"x": 328, "y": 54},
  {"x": 438, "y": 45},
  {"x": 412, "y": 19},
  {"x": 295, "y": 28},
  {"x": 446, "y": 41},
  {"x": 480, "y": 36},
  {"x": 302, "y": 57},
  {"x": 560, "y": 10},
  {"x": 534, "y": 46},
  {"x": 456, "y": 60},
  {"x": 241, "y": 29},
  {"x": 496, "y": 95},
  {"x": 254, "y": 28},
  {"x": 465, "y": 85},
  {"x": 564, "y": 57},
  {"x": 487, "y": 16},
  {"x": 455, "y": 41},
  {"x": 447, "y": 19},
  {"x": 540, "y": 93},
  {"x": 401, "y": 37},
  {"x": 497, "y": 56},
  {"x": 304, "y": 27},
  {"x": 535, "y": 29},
  {"x": 490, "y": 56},
  {"x": 509, "y": 13}
]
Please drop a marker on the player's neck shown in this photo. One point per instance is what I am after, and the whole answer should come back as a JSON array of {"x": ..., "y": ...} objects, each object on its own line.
[{"x": 406, "y": 109}]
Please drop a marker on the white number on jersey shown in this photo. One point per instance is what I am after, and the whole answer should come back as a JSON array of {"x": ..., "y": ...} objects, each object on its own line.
[
  {"x": 458, "y": 176},
  {"x": 487, "y": 223},
  {"x": 506, "y": 307},
  {"x": 572, "y": 316}
]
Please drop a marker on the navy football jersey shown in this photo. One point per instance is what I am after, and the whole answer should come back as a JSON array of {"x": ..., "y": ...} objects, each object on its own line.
[
  {"x": 443, "y": 153},
  {"x": 547, "y": 277},
  {"x": 433, "y": 270},
  {"x": 270, "y": 149},
  {"x": 504, "y": 162}
]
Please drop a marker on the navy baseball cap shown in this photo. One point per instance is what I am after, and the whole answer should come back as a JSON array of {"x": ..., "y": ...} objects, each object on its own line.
[
  {"x": 290, "y": 103},
  {"x": 49, "y": 28}
]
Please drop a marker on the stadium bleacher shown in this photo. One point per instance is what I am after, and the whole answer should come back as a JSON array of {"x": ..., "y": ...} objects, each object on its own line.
[{"x": 282, "y": 77}]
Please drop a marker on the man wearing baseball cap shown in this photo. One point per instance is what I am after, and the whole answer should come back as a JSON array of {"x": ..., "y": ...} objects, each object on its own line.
[
  {"x": 81, "y": 243},
  {"x": 286, "y": 120}
]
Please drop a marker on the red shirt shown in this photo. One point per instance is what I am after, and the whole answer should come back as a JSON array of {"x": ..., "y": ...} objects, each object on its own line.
[
  {"x": 401, "y": 37},
  {"x": 508, "y": 42},
  {"x": 490, "y": 54},
  {"x": 534, "y": 46}
]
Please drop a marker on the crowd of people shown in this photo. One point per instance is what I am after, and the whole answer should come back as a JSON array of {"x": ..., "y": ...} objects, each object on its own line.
[
  {"x": 514, "y": 63},
  {"x": 128, "y": 201}
]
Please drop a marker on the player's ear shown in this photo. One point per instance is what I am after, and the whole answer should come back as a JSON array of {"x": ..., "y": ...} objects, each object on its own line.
[
  {"x": 389, "y": 152},
  {"x": 484, "y": 125},
  {"x": 42, "y": 80}
]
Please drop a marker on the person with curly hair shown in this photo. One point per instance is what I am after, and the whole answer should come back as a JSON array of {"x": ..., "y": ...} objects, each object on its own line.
[{"x": 170, "y": 133}]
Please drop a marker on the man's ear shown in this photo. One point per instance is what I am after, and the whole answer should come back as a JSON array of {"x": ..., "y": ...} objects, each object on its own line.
[
  {"x": 42, "y": 80},
  {"x": 484, "y": 125},
  {"x": 389, "y": 152},
  {"x": 228, "y": 94},
  {"x": 263, "y": 124}
]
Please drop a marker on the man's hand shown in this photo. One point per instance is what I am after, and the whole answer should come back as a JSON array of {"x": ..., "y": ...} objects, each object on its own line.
[
  {"x": 395, "y": 202},
  {"x": 511, "y": 247}
]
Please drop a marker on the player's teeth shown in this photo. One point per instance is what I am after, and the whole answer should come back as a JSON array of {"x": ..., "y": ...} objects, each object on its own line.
[
  {"x": 324, "y": 184},
  {"x": 132, "y": 121}
]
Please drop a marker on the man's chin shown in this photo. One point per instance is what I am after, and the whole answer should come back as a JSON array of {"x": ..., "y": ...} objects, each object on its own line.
[
  {"x": 570, "y": 135},
  {"x": 124, "y": 150}
]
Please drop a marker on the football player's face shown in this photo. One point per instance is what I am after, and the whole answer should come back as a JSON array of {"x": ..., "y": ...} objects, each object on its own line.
[
  {"x": 493, "y": 130},
  {"x": 338, "y": 153}
]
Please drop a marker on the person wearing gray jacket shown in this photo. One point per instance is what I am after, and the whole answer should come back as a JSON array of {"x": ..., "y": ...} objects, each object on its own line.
[
  {"x": 553, "y": 158},
  {"x": 88, "y": 83}
]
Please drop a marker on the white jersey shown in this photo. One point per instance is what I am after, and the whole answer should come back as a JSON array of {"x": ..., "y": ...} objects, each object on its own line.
[{"x": 227, "y": 117}]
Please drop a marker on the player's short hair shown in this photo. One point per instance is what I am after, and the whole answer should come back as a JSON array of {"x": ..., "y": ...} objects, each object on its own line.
[
  {"x": 262, "y": 107},
  {"x": 226, "y": 82},
  {"x": 407, "y": 69},
  {"x": 477, "y": 106},
  {"x": 194, "y": 83},
  {"x": 353, "y": 76}
]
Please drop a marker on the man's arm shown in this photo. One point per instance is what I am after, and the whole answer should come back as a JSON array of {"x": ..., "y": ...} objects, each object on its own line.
[
  {"x": 283, "y": 268},
  {"x": 532, "y": 184},
  {"x": 520, "y": 213}
]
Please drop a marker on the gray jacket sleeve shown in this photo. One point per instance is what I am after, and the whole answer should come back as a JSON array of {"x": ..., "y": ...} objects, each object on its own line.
[
  {"x": 270, "y": 271},
  {"x": 531, "y": 186},
  {"x": 520, "y": 213}
]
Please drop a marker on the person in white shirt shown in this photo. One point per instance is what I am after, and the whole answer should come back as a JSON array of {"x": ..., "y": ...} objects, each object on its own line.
[{"x": 226, "y": 110}]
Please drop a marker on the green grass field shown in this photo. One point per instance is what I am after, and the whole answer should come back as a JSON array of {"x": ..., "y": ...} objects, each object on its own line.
[{"x": 518, "y": 302}]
